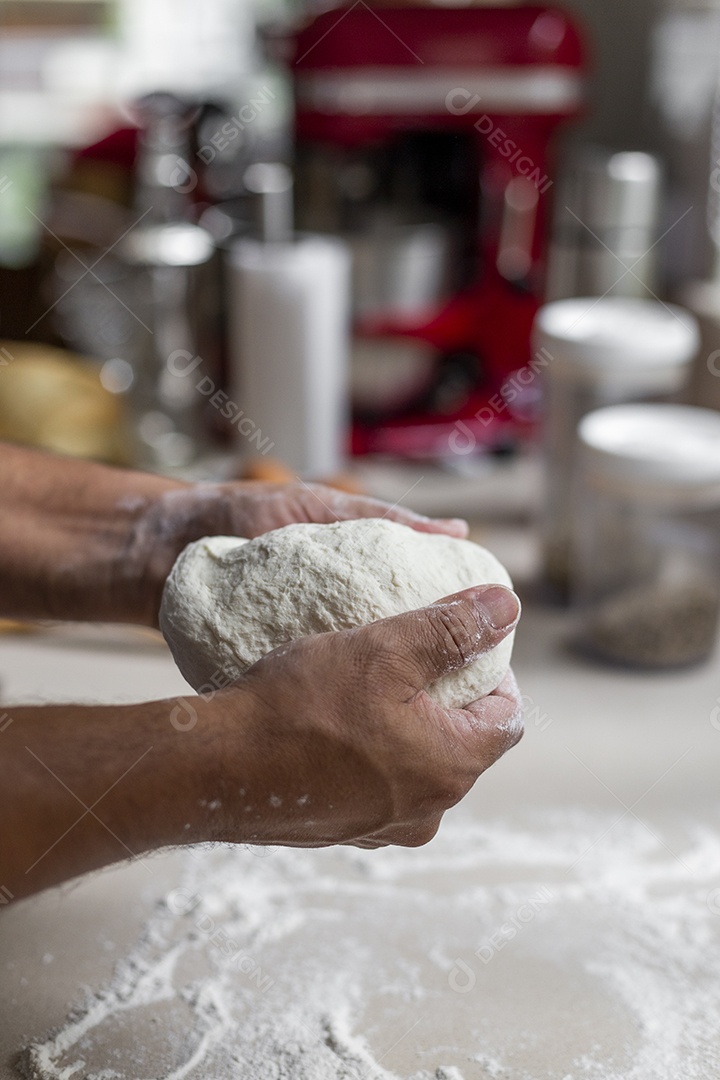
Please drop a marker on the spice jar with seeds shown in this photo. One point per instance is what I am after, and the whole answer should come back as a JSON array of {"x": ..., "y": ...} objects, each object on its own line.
[
  {"x": 647, "y": 534},
  {"x": 599, "y": 352}
]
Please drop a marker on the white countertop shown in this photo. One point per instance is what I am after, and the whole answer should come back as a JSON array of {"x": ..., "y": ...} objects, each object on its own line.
[{"x": 595, "y": 844}]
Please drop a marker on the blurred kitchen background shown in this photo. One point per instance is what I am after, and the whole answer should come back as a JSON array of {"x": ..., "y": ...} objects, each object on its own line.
[{"x": 274, "y": 239}]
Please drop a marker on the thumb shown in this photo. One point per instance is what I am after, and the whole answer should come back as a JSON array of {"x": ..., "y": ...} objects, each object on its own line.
[{"x": 451, "y": 633}]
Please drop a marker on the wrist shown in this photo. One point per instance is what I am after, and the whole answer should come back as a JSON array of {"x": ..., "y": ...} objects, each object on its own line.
[
  {"x": 127, "y": 550},
  {"x": 160, "y": 528},
  {"x": 216, "y": 758},
  {"x": 246, "y": 777},
  {"x": 169, "y": 794}
]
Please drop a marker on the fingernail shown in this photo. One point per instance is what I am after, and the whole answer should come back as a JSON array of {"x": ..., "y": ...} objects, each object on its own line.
[
  {"x": 458, "y": 525},
  {"x": 453, "y": 526},
  {"x": 500, "y": 606}
]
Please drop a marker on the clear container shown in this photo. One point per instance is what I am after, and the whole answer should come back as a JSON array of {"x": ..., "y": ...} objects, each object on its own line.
[
  {"x": 647, "y": 534},
  {"x": 598, "y": 352}
]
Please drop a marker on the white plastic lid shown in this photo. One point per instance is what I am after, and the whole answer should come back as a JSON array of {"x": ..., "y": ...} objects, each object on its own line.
[
  {"x": 654, "y": 449},
  {"x": 638, "y": 344}
]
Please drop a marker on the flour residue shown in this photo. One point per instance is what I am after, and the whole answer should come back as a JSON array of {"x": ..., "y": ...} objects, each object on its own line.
[{"x": 566, "y": 948}]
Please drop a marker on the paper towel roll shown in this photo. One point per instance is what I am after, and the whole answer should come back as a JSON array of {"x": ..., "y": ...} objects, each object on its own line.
[{"x": 289, "y": 322}]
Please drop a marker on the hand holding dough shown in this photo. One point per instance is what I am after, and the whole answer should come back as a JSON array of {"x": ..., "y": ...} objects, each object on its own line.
[{"x": 229, "y": 601}]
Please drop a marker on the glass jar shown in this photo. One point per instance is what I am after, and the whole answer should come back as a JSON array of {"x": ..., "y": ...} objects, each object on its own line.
[
  {"x": 599, "y": 351},
  {"x": 647, "y": 534}
]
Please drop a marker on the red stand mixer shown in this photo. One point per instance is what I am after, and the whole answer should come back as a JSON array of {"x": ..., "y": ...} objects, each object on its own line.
[{"x": 422, "y": 136}]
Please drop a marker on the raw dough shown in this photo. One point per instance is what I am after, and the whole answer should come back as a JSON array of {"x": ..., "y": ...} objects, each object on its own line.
[{"x": 229, "y": 601}]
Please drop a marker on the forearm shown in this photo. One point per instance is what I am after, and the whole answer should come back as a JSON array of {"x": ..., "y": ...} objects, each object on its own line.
[
  {"x": 69, "y": 538},
  {"x": 85, "y": 786}
]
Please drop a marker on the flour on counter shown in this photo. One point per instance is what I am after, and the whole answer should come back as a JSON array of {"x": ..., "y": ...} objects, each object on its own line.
[{"x": 545, "y": 951}]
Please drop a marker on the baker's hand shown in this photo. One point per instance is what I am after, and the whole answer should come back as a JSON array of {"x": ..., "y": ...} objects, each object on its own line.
[
  {"x": 334, "y": 739},
  {"x": 187, "y": 512},
  {"x": 252, "y": 508}
]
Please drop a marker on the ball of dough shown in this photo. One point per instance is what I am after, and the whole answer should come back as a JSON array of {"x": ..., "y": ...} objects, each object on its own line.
[{"x": 229, "y": 601}]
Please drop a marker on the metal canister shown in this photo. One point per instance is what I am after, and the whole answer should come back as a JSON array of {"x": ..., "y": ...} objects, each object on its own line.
[
  {"x": 171, "y": 288},
  {"x": 605, "y": 228}
]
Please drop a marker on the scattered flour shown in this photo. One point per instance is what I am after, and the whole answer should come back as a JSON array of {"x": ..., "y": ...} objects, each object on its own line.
[{"x": 543, "y": 951}]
